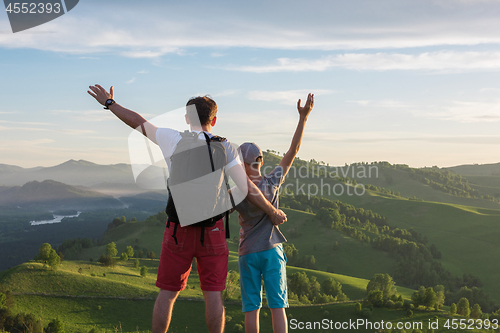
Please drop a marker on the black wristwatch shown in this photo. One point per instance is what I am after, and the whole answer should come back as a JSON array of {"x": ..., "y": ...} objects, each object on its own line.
[{"x": 108, "y": 103}]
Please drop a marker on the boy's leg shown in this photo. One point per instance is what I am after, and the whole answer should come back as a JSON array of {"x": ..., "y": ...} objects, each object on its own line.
[
  {"x": 162, "y": 312},
  {"x": 274, "y": 274},
  {"x": 280, "y": 323},
  {"x": 214, "y": 311},
  {"x": 252, "y": 321}
]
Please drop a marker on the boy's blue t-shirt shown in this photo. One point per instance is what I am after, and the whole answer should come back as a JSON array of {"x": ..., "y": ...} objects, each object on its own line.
[{"x": 257, "y": 232}]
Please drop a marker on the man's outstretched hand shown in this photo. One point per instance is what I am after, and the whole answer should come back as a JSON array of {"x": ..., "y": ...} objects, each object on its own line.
[
  {"x": 279, "y": 217},
  {"x": 100, "y": 94},
  {"x": 307, "y": 108}
]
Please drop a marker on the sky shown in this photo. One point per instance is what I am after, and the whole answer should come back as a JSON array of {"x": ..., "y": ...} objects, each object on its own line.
[{"x": 409, "y": 82}]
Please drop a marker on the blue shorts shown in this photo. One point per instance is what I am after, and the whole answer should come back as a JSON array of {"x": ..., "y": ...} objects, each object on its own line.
[{"x": 270, "y": 266}]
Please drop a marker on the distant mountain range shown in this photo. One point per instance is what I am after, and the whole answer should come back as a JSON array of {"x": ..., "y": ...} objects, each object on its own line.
[
  {"x": 77, "y": 183},
  {"x": 114, "y": 179},
  {"x": 55, "y": 195}
]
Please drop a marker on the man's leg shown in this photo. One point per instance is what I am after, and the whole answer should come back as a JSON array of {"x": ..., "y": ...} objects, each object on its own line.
[
  {"x": 162, "y": 312},
  {"x": 252, "y": 321},
  {"x": 214, "y": 311},
  {"x": 280, "y": 324}
]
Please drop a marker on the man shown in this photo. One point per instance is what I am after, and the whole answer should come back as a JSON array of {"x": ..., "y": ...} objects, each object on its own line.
[
  {"x": 176, "y": 257},
  {"x": 261, "y": 254}
]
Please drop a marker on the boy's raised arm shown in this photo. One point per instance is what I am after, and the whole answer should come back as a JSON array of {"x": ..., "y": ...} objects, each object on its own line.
[
  {"x": 304, "y": 112},
  {"x": 129, "y": 117}
]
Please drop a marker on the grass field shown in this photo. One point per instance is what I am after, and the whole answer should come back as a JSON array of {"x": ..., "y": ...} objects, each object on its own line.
[
  {"x": 112, "y": 315},
  {"x": 467, "y": 236}
]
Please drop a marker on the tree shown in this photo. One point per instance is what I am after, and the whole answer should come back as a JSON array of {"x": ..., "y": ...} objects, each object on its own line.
[
  {"x": 453, "y": 309},
  {"x": 129, "y": 251},
  {"x": 332, "y": 287},
  {"x": 291, "y": 251},
  {"x": 144, "y": 271},
  {"x": 54, "y": 260},
  {"x": 375, "y": 297},
  {"x": 463, "y": 308},
  {"x": 476, "y": 311},
  {"x": 3, "y": 301},
  {"x": 136, "y": 263},
  {"x": 111, "y": 249},
  {"x": 430, "y": 298},
  {"x": 25, "y": 322},
  {"x": 124, "y": 219},
  {"x": 299, "y": 283},
  {"x": 44, "y": 252},
  {"x": 55, "y": 326},
  {"x": 439, "y": 296},
  {"x": 382, "y": 282},
  {"x": 418, "y": 297},
  {"x": 106, "y": 260},
  {"x": 124, "y": 257},
  {"x": 314, "y": 288}
]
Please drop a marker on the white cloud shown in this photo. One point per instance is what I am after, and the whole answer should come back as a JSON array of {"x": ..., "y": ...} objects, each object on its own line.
[
  {"x": 467, "y": 112},
  {"x": 143, "y": 72},
  {"x": 132, "y": 80},
  {"x": 387, "y": 103},
  {"x": 427, "y": 61},
  {"x": 288, "y": 97},
  {"x": 155, "y": 28}
]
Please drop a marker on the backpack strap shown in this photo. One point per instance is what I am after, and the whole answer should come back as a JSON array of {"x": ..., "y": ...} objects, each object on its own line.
[
  {"x": 221, "y": 139},
  {"x": 227, "y": 225},
  {"x": 174, "y": 235},
  {"x": 207, "y": 139}
]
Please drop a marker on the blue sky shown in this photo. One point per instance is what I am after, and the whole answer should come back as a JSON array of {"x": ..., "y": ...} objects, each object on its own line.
[{"x": 414, "y": 82}]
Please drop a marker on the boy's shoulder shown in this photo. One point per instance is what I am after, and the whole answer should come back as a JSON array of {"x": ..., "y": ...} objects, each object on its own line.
[{"x": 276, "y": 177}]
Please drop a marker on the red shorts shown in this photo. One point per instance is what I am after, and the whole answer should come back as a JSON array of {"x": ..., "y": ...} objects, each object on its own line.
[{"x": 176, "y": 259}]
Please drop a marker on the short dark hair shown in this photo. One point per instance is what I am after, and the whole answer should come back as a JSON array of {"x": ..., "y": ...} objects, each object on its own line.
[{"x": 206, "y": 108}]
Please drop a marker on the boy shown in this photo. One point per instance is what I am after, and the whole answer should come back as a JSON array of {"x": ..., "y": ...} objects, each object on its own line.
[{"x": 260, "y": 250}]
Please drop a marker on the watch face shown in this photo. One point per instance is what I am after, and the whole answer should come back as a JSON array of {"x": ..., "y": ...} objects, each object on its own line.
[{"x": 109, "y": 102}]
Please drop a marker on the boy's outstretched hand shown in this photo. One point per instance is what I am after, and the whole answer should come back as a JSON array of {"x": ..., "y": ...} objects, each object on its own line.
[{"x": 306, "y": 109}]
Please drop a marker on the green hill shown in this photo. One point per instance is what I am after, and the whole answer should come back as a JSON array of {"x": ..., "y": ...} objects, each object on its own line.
[
  {"x": 464, "y": 229},
  {"x": 477, "y": 169},
  {"x": 122, "y": 301},
  {"x": 466, "y": 236}
]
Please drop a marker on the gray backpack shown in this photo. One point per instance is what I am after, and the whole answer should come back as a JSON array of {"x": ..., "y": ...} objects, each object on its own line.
[{"x": 197, "y": 186}]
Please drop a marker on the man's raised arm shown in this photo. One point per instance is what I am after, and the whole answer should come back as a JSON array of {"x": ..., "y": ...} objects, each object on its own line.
[
  {"x": 129, "y": 117},
  {"x": 304, "y": 112}
]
